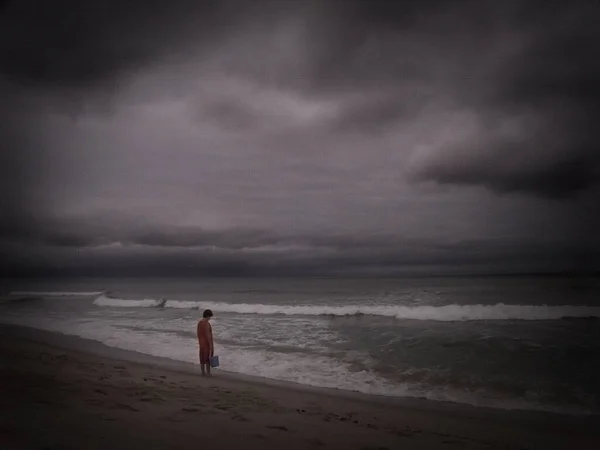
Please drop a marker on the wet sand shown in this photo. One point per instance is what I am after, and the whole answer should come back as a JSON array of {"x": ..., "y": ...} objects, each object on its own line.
[{"x": 61, "y": 392}]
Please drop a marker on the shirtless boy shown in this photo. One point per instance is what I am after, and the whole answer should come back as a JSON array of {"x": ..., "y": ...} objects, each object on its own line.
[{"x": 205, "y": 342}]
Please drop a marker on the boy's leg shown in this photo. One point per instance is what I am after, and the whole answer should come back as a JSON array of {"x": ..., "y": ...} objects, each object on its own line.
[{"x": 201, "y": 362}]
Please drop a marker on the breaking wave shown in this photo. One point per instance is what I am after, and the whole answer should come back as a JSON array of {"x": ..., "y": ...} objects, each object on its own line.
[
  {"x": 56, "y": 294},
  {"x": 447, "y": 313},
  {"x": 121, "y": 303}
]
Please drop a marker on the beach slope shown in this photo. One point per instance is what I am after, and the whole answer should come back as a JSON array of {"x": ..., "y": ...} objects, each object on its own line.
[{"x": 59, "y": 392}]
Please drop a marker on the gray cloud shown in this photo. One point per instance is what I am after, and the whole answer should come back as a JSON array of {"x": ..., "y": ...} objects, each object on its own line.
[
  {"x": 408, "y": 257},
  {"x": 76, "y": 247},
  {"x": 555, "y": 179},
  {"x": 69, "y": 43},
  {"x": 548, "y": 86},
  {"x": 340, "y": 135}
]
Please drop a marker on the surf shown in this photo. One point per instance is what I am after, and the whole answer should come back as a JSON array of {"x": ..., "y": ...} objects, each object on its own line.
[
  {"x": 446, "y": 313},
  {"x": 56, "y": 293}
]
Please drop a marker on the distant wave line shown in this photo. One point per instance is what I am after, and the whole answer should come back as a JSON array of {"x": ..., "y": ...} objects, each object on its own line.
[
  {"x": 446, "y": 313},
  {"x": 56, "y": 293}
]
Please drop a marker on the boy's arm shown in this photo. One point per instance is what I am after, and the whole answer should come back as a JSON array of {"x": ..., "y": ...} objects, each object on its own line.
[{"x": 210, "y": 338}]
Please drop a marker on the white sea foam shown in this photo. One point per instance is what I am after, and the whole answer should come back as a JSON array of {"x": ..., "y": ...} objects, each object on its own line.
[
  {"x": 182, "y": 304},
  {"x": 447, "y": 313},
  {"x": 56, "y": 294},
  {"x": 314, "y": 370},
  {"x": 118, "y": 302}
]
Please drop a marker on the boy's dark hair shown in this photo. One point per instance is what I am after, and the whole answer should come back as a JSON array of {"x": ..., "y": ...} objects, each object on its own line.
[{"x": 207, "y": 313}]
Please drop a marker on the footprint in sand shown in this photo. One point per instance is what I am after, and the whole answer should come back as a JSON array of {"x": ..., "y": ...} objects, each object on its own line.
[
  {"x": 260, "y": 436},
  {"x": 331, "y": 416},
  {"x": 190, "y": 409},
  {"x": 277, "y": 427},
  {"x": 155, "y": 399},
  {"x": 124, "y": 406},
  {"x": 176, "y": 419},
  {"x": 240, "y": 418},
  {"x": 406, "y": 432},
  {"x": 453, "y": 442}
]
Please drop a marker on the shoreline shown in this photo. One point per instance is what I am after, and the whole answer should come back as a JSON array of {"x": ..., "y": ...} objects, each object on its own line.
[
  {"x": 115, "y": 394},
  {"x": 74, "y": 342}
]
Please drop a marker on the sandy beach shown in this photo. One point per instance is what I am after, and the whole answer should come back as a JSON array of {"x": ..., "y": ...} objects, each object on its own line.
[{"x": 61, "y": 392}]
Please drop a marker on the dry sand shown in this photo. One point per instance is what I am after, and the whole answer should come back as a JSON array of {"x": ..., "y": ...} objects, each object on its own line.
[{"x": 59, "y": 392}]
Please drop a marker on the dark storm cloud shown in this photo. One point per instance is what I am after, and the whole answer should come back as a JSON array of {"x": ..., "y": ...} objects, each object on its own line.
[
  {"x": 558, "y": 178},
  {"x": 552, "y": 84},
  {"x": 500, "y": 61},
  {"x": 20, "y": 163},
  {"x": 254, "y": 137},
  {"x": 137, "y": 248},
  {"x": 77, "y": 233},
  {"x": 70, "y": 43},
  {"x": 404, "y": 257}
]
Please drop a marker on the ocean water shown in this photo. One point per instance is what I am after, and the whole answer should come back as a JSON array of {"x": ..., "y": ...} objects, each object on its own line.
[{"x": 502, "y": 342}]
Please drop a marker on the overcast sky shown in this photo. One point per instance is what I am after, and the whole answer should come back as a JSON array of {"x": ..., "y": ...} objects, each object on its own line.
[{"x": 299, "y": 137}]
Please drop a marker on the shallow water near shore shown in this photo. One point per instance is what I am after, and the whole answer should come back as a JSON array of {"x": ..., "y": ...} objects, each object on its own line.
[{"x": 503, "y": 342}]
